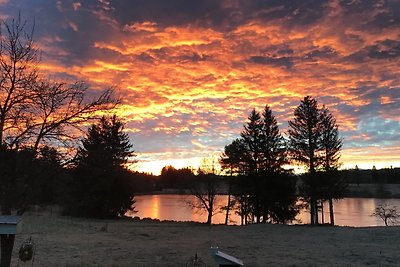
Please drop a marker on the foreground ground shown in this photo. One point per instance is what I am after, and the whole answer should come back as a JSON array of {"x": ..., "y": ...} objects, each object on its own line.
[{"x": 66, "y": 241}]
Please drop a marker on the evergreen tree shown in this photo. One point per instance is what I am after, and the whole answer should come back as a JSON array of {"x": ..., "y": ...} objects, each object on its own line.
[
  {"x": 252, "y": 137},
  {"x": 277, "y": 192},
  {"x": 234, "y": 158},
  {"x": 264, "y": 191},
  {"x": 274, "y": 151},
  {"x": 305, "y": 147},
  {"x": 102, "y": 187},
  {"x": 315, "y": 142},
  {"x": 331, "y": 145},
  {"x": 253, "y": 141}
]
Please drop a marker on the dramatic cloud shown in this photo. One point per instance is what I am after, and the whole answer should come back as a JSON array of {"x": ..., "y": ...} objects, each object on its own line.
[{"x": 189, "y": 72}]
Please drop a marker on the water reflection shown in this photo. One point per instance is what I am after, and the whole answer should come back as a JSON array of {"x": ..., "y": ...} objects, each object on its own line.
[{"x": 349, "y": 211}]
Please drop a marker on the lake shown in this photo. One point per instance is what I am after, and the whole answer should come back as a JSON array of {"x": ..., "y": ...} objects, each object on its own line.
[{"x": 348, "y": 211}]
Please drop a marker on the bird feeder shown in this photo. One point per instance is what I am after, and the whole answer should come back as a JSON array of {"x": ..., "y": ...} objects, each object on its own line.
[
  {"x": 225, "y": 260},
  {"x": 10, "y": 225}
]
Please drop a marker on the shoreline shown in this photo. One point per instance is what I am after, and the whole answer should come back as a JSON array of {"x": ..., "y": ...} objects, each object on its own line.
[{"x": 383, "y": 191}]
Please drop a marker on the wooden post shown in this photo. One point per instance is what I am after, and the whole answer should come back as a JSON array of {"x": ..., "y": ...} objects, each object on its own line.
[{"x": 7, "y": 245}]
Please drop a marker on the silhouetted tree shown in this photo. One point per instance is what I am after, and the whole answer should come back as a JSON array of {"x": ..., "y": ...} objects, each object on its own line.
[
  {"x": 274, "y": 150},
  {"x": 331, "y": 145},
  {"x": 257, "y": 158},
  {"x": 102, "y": 187},
  {"x": 252, "y": 137},
  {"x": 34, "y": 111},
  {"x": 357, "y": 175},
  {"x": 235, "y": 157},
  {"x": 47, "y": 181},
  {"x": 387, "y": 214},
  {"x": 277, "y": 188},
  {"x": 315, "y": 142},
  {"x": 281, "y": 199},
  {"x": 17, "y": 55},
  {"x": 205, "y": 187},
  {"x": 304, "y": 140},
  {"x": 232, "y": 162}
]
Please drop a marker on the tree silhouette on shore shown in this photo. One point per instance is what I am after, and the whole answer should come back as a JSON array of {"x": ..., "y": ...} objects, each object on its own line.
[
  {"x": 102, "y": 186},
  {"x": 315, "y": 143}
]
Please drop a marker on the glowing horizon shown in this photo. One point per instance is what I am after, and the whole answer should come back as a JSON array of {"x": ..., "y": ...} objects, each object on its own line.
[{"x": 188, "y": 73}]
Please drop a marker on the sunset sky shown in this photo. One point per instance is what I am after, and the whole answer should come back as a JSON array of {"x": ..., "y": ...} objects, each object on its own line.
[{"x": 189, "y": 71}]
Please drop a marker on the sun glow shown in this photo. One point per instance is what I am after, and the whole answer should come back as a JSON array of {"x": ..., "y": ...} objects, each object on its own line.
[{"x": 155, "y": 166}]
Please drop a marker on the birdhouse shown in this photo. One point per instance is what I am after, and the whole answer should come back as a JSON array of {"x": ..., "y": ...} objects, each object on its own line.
[
  {"x": 10, "y": 225},
  {"x": 225, "y": 260}
]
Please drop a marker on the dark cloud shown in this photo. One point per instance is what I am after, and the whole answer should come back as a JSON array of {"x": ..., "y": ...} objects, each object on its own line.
[
  {"x": 323, "y": 52},
  {"x": 384, "y": 50},
  {"x": 145, "y": 57},
  {"x": 286, "y": 62}
]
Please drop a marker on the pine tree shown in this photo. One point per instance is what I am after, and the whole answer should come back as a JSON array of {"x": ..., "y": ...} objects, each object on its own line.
[
  {"x": 331, "y": 145},
  {"x": 253, "y": 141},
  {"x": 252, "y": 137},
  {"x": 315, "y": 142},
  {"x": 102, "y": 187},
  {"x": 304, "y": 140},
  {"x": 274, "y": 152},
  {"x": 277, "y": 188},
  {"x": 264, "y": 191},
  {"x": 234, "y": 158}
]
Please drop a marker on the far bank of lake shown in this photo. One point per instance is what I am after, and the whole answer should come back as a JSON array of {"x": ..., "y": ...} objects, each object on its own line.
[{"x": 356, "y": 212}]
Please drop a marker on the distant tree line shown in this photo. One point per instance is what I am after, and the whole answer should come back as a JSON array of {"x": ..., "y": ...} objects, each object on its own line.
[{"x": 371, "y": 176}]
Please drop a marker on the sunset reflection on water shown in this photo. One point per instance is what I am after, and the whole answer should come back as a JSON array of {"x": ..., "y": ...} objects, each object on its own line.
[{"x": 348, "y": 212}]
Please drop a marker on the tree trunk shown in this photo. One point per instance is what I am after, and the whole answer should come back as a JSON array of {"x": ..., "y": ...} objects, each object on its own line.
[
  {"x": 332, "y": 216},
  {"x": 322, "y": 213},
  {"x": 312, "y": 211},
  {"x": 7, "y": 245},
  {"x": 229, "y": 204},
  {"x": 209, "y": 217}
]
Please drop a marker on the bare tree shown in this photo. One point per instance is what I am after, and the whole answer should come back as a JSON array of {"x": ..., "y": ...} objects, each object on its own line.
[
  {"x": 18, "y": 74},
  {"x": 205, "y": 188},
  {"x": 32, "y": 109},
  {"x": 387, "y": 214},
  {"x": 231, "y": 162},
  {"x": 59, "y": 110}
]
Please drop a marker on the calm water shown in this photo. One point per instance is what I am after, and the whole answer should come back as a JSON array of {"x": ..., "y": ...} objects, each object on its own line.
[{"x": 349, "y": 211}]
